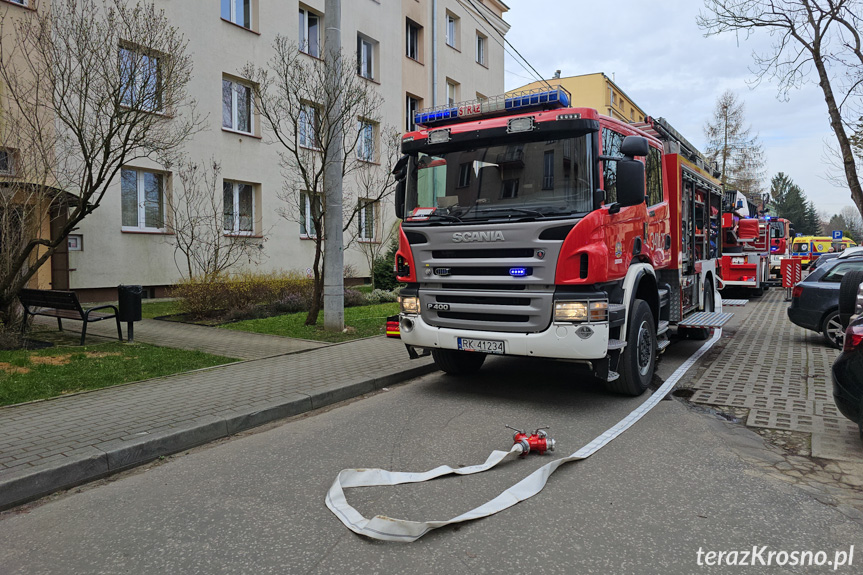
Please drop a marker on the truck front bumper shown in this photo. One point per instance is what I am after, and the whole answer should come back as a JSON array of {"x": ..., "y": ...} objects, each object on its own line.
[{"x": 559, "y": 341}]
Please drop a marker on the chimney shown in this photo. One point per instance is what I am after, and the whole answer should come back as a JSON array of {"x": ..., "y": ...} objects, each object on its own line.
[{"x": 557, "y": 74}]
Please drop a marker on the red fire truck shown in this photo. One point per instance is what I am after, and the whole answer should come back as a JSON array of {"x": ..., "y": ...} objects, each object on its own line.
[
  {"x": 781, "y": 238},
  {"x": 745, "y": 261},
  {"x": 536, "y": 229}
]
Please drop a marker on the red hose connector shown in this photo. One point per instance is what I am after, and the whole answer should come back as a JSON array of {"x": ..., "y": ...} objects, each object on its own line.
[{"x": 538, "y": 441}]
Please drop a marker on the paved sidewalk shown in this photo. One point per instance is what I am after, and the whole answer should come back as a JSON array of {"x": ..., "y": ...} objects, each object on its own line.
[
  {"x": 776, "y": 377},
  {"x": 224, "y": 342},
  {"x": 58, "y": 443}
]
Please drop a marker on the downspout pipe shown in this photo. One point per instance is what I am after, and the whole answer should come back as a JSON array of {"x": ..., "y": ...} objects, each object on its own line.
[{"x": 434, "y": 53}]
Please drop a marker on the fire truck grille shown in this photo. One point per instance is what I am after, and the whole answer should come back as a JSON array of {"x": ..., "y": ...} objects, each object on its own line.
[
  {"x": 525, "y": 312},
  {"x": 483, "y": 317},
  {"x": 487, "y": 253}
]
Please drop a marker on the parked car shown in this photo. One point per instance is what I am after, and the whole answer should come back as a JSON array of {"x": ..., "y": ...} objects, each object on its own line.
[
  {"x": 823, "y": 259},
  {"x": 815, "y": 300},
  {"x": 847, "y": 371}
]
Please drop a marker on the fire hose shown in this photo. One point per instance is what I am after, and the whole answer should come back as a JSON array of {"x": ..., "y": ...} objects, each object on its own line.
[{"x": 406, "y": 531}]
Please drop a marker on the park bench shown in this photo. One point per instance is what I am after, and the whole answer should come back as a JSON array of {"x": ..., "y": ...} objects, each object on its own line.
[{"x": 63, "y": 305}]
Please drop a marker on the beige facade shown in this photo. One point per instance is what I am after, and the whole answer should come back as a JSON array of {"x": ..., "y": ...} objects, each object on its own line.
[
  {"x": 115, "y": 252},
  {"x": 596, "y": 91}
]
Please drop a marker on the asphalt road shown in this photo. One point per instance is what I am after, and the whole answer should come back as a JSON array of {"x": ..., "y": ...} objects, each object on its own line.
[{"x": 646, "y": 503}]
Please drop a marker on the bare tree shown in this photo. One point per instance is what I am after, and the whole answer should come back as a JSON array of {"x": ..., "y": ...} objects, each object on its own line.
[
  {"x": 739, "y": 154},
  {"x": 89, "y": 86},
  {"x": 296, "y": 95},
  {"x": 819, "y": 34},
  {"x": 207, "y": 233}
]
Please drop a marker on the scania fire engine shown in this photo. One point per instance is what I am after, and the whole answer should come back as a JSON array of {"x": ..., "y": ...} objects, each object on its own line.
[{"x": 533, "y": 228}]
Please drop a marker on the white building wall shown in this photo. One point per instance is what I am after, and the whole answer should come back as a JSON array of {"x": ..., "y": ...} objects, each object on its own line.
[{"x": 111, "y": 256}]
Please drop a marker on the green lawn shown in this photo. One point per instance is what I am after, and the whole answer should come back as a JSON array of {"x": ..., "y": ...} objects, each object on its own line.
[
  {"x": 28, "y": 375},
  {"x": 363, "y": 321},
  {"x": 151, "y": 309}
]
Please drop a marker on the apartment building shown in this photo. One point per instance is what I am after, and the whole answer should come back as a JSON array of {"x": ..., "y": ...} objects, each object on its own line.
[
  {"x": 596, "y": 91},
  {"x": 415, "y": 53}
]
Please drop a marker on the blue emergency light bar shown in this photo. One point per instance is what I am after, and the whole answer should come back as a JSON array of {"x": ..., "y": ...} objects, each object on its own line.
[{"x": 497, "y": 105}]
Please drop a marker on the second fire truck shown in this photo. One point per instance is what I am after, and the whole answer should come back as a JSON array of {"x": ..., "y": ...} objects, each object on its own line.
[{"x": 535, "y": 229}]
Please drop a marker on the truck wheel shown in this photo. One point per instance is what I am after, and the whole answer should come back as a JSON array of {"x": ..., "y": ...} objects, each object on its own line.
[
  {"x": 832, "y": 330},
  {"x": 848, "y": 295},
  {"x": 458, "y": 362},
  {"x": 702, "y": 333},
  {"x": 757, "y": 292},
  {"x": 638, "y": 360}
]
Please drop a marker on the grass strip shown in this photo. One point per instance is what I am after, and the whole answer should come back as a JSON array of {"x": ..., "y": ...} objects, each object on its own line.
[
  {"x": 29, "y": 375},
  {"x": 360, "y": 322}
]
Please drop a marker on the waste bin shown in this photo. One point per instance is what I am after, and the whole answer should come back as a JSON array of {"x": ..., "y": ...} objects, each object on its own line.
[
  {"x": 129, "y": 298},
  {"x": 130, "y": 302}
]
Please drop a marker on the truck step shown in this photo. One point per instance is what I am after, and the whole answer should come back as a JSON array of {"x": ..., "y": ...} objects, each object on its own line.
[
  {"x": 663, "y": 297},
  {"x": 612, "y": 376},
  {"x": 663, "y": 327},
  {"x": 662, "y": 344},
  {"x": 706, "y": 319},
  {"x": 735, "y": 302},
  {"x": 616, "y": 344},
  {"x": 616, "y": 314}
]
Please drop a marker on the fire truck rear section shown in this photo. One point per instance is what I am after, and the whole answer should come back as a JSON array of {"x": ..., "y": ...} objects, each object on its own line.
[{"x": 527, "y": 231}]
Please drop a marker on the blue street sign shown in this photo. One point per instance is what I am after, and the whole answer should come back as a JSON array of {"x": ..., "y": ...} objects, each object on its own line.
[{"x": 837, "y": 234}]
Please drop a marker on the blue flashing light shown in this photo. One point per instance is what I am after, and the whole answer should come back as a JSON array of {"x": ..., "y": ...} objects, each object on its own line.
[
  {"x": 476, "y": 109},
  {"x": 518, "y": 272}
]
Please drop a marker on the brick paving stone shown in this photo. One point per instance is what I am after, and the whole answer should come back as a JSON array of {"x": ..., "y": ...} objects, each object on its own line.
[{"x": 781, "y": 373}]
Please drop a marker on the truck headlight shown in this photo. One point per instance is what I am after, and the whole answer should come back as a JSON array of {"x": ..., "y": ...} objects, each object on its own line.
[
  {"x": 576, "y": 311},
  {"x": 409, "y": 304},
  {"x": 570, "y": 311}
]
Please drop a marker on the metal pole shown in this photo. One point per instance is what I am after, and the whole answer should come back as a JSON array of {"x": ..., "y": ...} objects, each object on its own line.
[{"x": 334, "y": 288}]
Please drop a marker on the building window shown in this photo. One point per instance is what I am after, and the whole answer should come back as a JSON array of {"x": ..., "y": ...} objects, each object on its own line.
[
  {"x": 632, "y": 114},
  {"x": 463, "y": 175},
  {"x": 19, "y": 2},
  {"x": 509, "y": 189},
  {"x": 412, "y": 105},
  {"x": 413, "y": 40},
  {"x": 365, "y": 58},
  {"x": 451, "y": 92},
  {"x": 307, "y": 223},
  {"x": 548, "y": 170},
  {"x": 141, "y": 81},
  {"x": 309, "y": 126},
  {"x": 367, "y": 220},
  {"x": 239, "y": 208},
  {"x": 310, "y": 38},
  {"x": 481, "y": 42},
  {"x": 7, "y": 162},
  {"x": 238, "y": 11},
  {"x": 236, "y": 106},
  {"x": 142, "y": 200},
  {"x": 451, "y": 30},
  {"x": 366, "y": 142}
]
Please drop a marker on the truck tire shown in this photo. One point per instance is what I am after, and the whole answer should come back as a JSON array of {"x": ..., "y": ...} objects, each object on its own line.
[
  {"x": 848, "y": 295},
  {"x": 831, "y": 329},
  {"x": 757, "y": 292},
  {"x": 638, "y": 360},
  {"x": 702, "y": 333},
  {"x": 458, "y": 362}
]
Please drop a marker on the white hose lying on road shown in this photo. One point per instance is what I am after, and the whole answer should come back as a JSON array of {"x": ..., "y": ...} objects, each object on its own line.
[{"x": 389, "y": 529}]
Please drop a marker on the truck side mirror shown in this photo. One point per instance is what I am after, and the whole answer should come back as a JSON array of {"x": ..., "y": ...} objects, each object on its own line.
[
  {"x": 634, "y": 146},
  {"x": 630, "y": 172},
  {"x": 630, "y": 183},
  {"x": 400, "y": 199}
]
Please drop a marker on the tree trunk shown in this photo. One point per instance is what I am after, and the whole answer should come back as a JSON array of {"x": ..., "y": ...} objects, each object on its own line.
[
  {"x": 839, "y": 129},
  {"x": 317, "y": 286}
]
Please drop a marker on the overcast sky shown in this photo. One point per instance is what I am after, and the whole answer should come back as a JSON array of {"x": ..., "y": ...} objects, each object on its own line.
[{"x": 660, "y": 58}]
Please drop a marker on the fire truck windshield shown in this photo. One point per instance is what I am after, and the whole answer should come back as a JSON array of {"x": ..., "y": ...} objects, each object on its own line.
[{"x": 548, "y": 178}]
